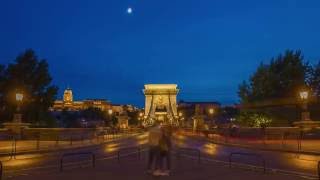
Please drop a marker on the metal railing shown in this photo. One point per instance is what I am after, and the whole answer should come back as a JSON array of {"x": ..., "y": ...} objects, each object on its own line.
[
  {"x": 137, "y": 150},
  {"x": 263, "y": 162},
  {"x": 37, "y": 141},
  {"x": 184, "y": 150},
  {"x": 78, "y": 154},
  {"x": 1, "y": 170},
  {"x": 288, "y": 140}
]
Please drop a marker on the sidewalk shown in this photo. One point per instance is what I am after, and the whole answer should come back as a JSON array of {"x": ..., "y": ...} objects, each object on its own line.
[
  {"x": 286, "y": 145},
  {"x": 34, "y": 146},
  {"x": 131, "y": 168}
]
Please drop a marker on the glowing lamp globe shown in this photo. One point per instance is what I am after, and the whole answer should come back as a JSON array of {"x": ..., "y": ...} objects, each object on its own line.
[
  {"x": 211, "y": 110},
  {"x": 304, "y": 95},
  {"x": 19, "y": 97}
]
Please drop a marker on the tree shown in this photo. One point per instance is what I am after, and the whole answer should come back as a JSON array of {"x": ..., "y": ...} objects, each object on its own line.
[
  {"x": 70, "y": 119},
  {"x": 31, "y": 76},
  {"x": 279, "y": 79},
  {"x": 92, "y": 113},
  {"x": 254, "y": 119},
  {"x": 315, "y": 80}
]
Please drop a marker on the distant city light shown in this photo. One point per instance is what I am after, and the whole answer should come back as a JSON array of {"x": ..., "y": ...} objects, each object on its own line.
[
  {"x": 211, "y": 110},
  {"x": 110, "y": 111}
]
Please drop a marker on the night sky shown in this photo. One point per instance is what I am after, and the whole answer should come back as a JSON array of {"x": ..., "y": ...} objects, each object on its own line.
[{"x": 207, "y": 47}]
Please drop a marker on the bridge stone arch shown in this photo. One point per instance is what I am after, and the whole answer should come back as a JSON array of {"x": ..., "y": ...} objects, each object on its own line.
[{"x": 161, "y": 103}]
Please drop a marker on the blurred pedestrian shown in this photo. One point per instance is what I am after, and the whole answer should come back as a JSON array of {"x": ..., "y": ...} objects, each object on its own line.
[
  {"x": 164, "y": 153},
  {"x": 154, "y": 139}
]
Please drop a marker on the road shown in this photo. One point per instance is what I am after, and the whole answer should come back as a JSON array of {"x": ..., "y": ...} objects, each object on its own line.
[
  {"x": 298, "y": 163},
  {"x": 29, "y": 164}
]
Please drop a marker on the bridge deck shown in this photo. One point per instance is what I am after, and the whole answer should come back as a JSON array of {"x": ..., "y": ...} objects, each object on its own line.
[{"x": 132, "y": 168}]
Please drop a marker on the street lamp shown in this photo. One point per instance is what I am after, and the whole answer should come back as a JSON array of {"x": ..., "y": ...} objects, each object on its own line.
[
  {"x": 211, "y": 111},
  {"x": 19, "y": 98},
  {"x": 140, "y": 117},
  {"x": 110, "y": 112},
  {"x": 304, "y": 95},
  {"x": 17, "y": 116}
]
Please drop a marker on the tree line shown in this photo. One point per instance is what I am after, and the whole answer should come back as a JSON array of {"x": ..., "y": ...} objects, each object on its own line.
[{"x": 282, "y": 78}]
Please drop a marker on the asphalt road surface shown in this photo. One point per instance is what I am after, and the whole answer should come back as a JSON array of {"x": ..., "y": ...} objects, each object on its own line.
[{"x": 25, "y": 165}]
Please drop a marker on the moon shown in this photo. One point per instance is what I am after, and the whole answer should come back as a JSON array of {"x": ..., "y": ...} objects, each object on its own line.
[{"x": 129, "y": 10}]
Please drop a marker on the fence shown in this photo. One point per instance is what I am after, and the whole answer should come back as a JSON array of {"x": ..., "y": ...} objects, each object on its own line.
[
  {"x": 248, "y": 154},
  {"x": 286, "y": 138},
  {"x": 138, "y": 150},
  {"x": 184, "y": 150},
  {"x": 10, "y": 142},
  {"x": 41, "y": 140},
  {"x": 77, "y": 154}
]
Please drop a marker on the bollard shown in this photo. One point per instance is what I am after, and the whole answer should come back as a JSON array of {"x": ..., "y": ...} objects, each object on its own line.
[
  {"x": 38, "y": 141},
  {"x": 13, "y": 148},
  {"x": 300, "y": 138},
  {"x": 71, "y": 140}
]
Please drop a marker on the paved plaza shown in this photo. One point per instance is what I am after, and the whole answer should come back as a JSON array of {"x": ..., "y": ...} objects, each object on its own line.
[{"x": 132, "y": 168}]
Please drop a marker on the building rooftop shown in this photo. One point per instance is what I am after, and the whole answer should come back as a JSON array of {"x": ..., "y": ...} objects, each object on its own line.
[
  {"x": 199, "y": 102},
  {"x": 160, "y": 86}
]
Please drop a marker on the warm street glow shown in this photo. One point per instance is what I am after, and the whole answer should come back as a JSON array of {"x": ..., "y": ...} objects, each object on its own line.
[
  {"x": 304, "y": 95},
  {"x": 19, "y": 96},
  {"x": 110, "y": 111},
  {"x": 211, "y": 110}
]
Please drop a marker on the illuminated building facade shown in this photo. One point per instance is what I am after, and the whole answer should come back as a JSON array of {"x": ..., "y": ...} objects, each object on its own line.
[
  {"x": 70, "y": 105},
  {"x": 161, "y": 103}
]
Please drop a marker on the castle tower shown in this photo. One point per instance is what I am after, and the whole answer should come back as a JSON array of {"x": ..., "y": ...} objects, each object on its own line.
[{"x": 67, "y": 96}]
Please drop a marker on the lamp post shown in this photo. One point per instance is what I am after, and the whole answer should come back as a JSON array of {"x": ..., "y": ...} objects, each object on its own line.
[
  {"x": 211, "y": 112},
  {"x": 19, "y": 98},
  {"x": 180, "y": 114},
  {"x": 304, "y": 95},
  {"x": 110, "y": 115},
  {"x": 306, "y": 123},
  {"x": 16, "y": 126},
  {"x": 140, "y": 118},
  {"x": 17, "y": 116}
]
